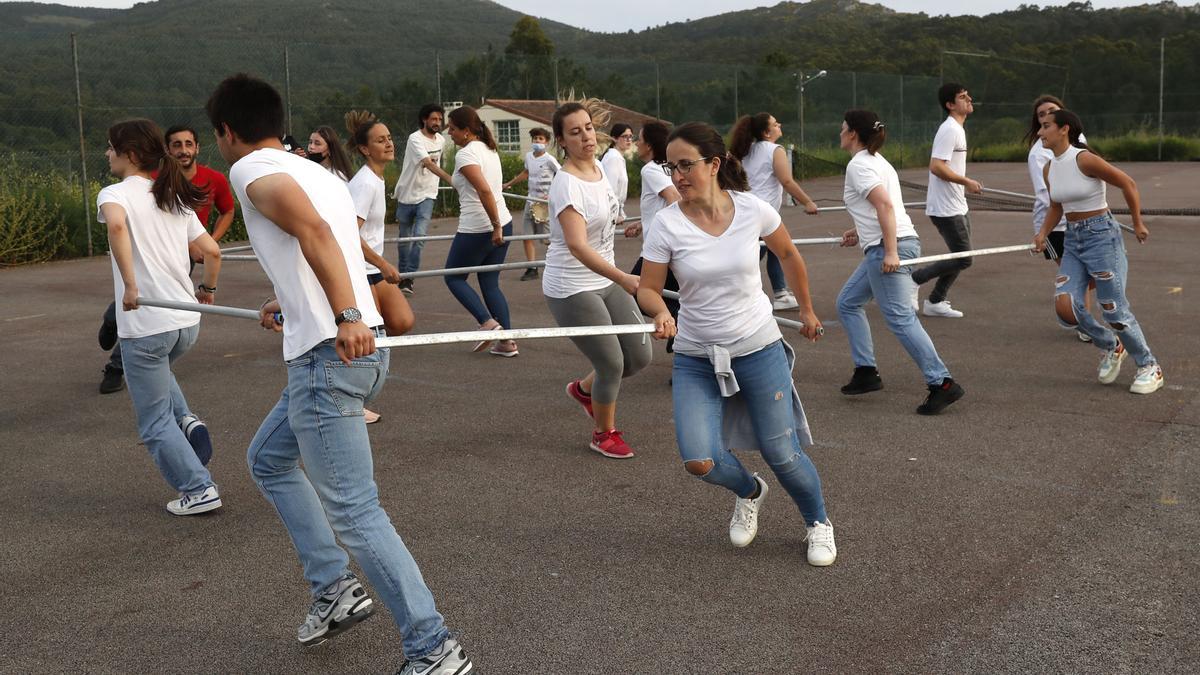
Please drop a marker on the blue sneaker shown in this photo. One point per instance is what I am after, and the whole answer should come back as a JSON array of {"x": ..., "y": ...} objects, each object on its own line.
[{"x": 197, "y": 435}]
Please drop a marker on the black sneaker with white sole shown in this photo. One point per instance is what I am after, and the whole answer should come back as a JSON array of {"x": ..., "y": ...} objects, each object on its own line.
[
  {"x": 940, "y": 397},
  {"x": 339, "y": 607},
  {"x": 449, "y": 659}
]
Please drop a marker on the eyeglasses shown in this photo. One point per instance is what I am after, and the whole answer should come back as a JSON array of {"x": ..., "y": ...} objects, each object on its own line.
[
  {"x": 684, "y": 166},
  {"x": 627, "y": 137}
]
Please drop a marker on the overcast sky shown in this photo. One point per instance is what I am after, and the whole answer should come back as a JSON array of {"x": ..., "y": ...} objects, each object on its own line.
[{"x": 623, "y": 15}]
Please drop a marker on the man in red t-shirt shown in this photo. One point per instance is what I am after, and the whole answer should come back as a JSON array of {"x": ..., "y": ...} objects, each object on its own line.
[{"x": 183, "y": 146}]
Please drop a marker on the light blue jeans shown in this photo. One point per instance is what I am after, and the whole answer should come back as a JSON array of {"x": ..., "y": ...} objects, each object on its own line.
[
  {"x": 893, "y": 292},
  {"x": 414, "y": 222},
  {"x": 319, "y": 419},
  {"x": 1093, "y": 248},
  {"x": 762, "y": 376},
  {"x": 159, "y": 405}
]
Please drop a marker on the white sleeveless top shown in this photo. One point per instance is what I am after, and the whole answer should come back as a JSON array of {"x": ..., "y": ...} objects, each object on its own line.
[
  {"x": 759, "y": 164},
  {"x": 1071, "y": 188}
]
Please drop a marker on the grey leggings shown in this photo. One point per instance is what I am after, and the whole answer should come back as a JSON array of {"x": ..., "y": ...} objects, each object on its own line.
[{"x": 613, "y": 356}]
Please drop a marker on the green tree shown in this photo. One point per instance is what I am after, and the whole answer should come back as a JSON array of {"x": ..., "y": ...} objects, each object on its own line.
[{"x": 531, "y": 54}]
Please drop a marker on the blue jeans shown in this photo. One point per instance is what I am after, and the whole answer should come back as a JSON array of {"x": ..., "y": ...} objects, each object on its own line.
[
  {"x": 319, "y": 419},
  {"x": 159, "y": 405},
  {"x": 414, "y": 222},
  {"x": 893, "y": 292},
  {"x": 1094, "y": 248},
  {"x": 698, "y": 410},
  {"x": 471, "y": 250}
]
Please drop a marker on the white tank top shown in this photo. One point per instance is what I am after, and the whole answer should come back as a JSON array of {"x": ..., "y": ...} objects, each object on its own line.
[
  {"x": 1070, "y": 187},
  {"x": 759, "y": 164}
]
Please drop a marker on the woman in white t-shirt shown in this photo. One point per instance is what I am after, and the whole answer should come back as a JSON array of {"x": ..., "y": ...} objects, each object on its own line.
[
  {"x": 325, "y": 148},
  {"x": 885, "y": 233},
  {"x": 770, "y": 175},
  {"x": 1039, "y": 157},
  {"x": 582, "y": 285},
  {"x": 150, "y": 223},
  {"x": 657, "y": 194},
  {"x": 615, "y": 167},
  {"x": 483, "y": 223},
  {"x": 732, "y": 375}
]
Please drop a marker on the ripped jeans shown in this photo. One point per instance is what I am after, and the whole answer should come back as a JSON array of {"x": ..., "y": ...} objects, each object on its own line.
[
  {"x": 1093, "y": 248},
  {"x": 766, "y": 384}
]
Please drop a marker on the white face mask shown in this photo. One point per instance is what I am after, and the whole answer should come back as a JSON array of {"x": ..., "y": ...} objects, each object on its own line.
[{"x": 538, "y": 147}]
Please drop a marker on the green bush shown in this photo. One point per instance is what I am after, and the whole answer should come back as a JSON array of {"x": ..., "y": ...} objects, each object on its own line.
[
  {"x": 32, "y": 225},
  {"x": 1143, "y": 147}
]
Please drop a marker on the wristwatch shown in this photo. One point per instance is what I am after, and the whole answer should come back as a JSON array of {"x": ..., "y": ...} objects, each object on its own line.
[
  {"x": 206, "y": 289},
  {"x": 348, "y": 315}
]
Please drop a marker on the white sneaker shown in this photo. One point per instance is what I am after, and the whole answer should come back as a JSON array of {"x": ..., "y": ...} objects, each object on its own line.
[
  {"x": 744, "y": 524},
  {"x": 201, "y": 502},
  {"x": 1148, "y": 380},
  {"x": 942, "y": 309},
  {"x": 1110, "y": 364},
  {"x": 821, "y": 549},
  {"x": 784, "y": 300}
]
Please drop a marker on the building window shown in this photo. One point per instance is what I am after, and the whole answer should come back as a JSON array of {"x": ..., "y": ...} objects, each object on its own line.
[{"x": 508, "y": 135}]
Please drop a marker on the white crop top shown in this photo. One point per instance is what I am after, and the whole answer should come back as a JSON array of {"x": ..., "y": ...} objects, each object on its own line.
[{"x": 1070, "y": 187}]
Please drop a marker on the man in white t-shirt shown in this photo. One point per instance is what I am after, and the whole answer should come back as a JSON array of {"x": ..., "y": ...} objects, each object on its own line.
[
  {"x": 417, "y": 188},
  {"x": 540, "y": 168},
  {"x": 946, "y": 200},
  {"x": 303, "y": 228}
]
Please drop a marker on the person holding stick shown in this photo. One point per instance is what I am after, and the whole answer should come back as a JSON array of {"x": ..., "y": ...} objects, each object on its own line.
[
  {"x": 1094, "y": 249},
  {"x": 885, "y": 233},
  {"x": 151, "y": 224},
  {"x": 733, "y": 369}
]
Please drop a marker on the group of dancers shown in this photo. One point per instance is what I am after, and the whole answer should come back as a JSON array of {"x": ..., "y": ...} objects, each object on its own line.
[{"x": 319, "y": 238}]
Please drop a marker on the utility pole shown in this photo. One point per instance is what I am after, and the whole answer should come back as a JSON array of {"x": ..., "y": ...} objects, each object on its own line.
[
  {"x": 437, "y": 60},
  {"x": 87, "y": 201},
  {"x": 657, "y": 93},
  {"x": 1162, "y": 62},
  {"x": 287, "y": 85}
]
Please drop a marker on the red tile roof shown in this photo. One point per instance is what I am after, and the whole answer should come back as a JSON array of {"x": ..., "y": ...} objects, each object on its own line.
[{"x": 542, "y": 110}]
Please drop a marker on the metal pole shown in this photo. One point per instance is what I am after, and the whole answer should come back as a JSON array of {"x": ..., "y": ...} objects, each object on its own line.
[
  {"x": 802, "y": 114},
  {"x": 287, "y": 86},
  {"x": 657, "y": 93},
  {"x": 235, "y": 312},
  {"x": 853, "y": 89},
  {"x": 902, "y": 134},
  {"x": 437, "y": 60},
  {"x": 1162, "y": 53},
  {"x": 968, "y": 254},
  {"x": 87, "y": 207},
  {"x": 512, "y": 334},
  {"x": 736, "y": 109},
  {"x": 556, "y": 82}
]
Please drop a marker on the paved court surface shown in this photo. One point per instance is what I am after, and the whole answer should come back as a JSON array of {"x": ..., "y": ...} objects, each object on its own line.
[{"x": 1045, "y": 523}]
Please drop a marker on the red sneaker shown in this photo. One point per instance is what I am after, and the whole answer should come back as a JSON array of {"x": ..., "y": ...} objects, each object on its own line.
[
  {"x": 610, "y": 444},
  {"x": 585, "y": 400}
]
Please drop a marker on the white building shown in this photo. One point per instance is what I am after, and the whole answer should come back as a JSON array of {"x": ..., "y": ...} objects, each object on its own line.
[{"x": 511, "y": 119}]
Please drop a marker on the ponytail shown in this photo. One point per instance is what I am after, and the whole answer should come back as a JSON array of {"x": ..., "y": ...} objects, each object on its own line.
[
  {"x": 871, "y": 130},
  {"x": 143, "y": 141},
  {"x": 748, "y": 130},
  {"x": 731, "y": 175},
  {"x": 465, "y": 117},
  {"x": 706, "y": 140},
  {"x": 359, "y": 123}
]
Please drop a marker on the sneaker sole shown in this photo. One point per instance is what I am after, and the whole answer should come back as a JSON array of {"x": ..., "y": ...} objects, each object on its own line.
[
  {"x": 197, "y": 509},
  {"x": 595, "y": 447},
  {"x": 365, "y": 609},
  {"x": 822, "y": 563},
  {"x": 507, "y": 355},
  {"x": 855, "y": 392},
  {"x": 1135, "y": 390}
]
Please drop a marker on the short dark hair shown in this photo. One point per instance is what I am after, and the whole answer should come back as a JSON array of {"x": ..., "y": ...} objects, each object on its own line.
[
  {"x": 427, "y": 110},
  {"x": 870, "y": 129},
  {"x": 250, "y": 107},
  {"x": 178, "y": 128},
  {"x": 538, "y": 131},
  {"x": 948, "y": 92},
  {"x": 655, "y": 134}
]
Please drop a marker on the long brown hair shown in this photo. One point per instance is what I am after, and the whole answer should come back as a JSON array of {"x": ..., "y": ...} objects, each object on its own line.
[
  {"x": 747, "y": 131},
  {"x": 338, "y": 159},
  {"x": 142, "y": 140},
  {"x": 730, "y": 174},
  {"x": 1035, "y": 126},
  {"x": 871, "y": 130},
  {"x": 465, "y": 117}
]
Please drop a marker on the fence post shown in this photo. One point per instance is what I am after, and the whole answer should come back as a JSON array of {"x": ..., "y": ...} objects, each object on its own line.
[
  {"x": 657, "y": 93},
  {"x": 437, "y": 64},
  {"x": 902, "y": 129},
  {"x": 87, "y": 208},
  {"x": 1162, "y": 53},
  {"x": 556, "y": 89},
  {"x": 736, "y": 110},
  {"x": 287, "y": 86}
]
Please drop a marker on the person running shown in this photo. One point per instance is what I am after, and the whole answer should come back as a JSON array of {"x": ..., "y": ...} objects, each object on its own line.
[
  {"x": 582, "y": 285},
  {"x": 946, "y": 200},
  {"x": 483, "y": 224},
  {"x": 151, "y": 223},
  {"x": 301, "y": 223},
  {"x": 732, "y": 372},
  {"x": 540, "y": 167},
  {"x": 615, "y": 166},
  {"x": 1093, "y": 249},
  {"x": 417, "y": 187},
  {"x": 770, "y": 175},
  {"x": 371, "y": 139},
  {"x": 325, "y": 148},
  {"x": 885, "y": 233},
  {"x": 1039, "y": 157},
  {"x": 657, "y": 194}
]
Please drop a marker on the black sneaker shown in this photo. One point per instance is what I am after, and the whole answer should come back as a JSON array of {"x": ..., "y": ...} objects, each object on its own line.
[
  {"x": 865, "y": 379},
  {"x": 114, "y": 380},
  {"x": 108, "y": 335},
  {"x": 940, "y": 396},
  {"x": 406, "y": 286},
  {"x": 530, "y": 274}
]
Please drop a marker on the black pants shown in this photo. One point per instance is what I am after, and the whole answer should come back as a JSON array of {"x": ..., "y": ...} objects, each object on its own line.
[
  {"x": 110, "y": 317},
  {"x": 956, "y": 232},
  {"x": 669, "y": 285}
]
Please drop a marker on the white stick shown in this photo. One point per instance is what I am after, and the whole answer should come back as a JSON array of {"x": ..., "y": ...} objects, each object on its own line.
[
  {"x": 512, "y": 334},
  {"x": 672, "y": 295},
  {"x": 475, "y": 269},
  {"x": 235, "y": 249},
  {"x": 966, "y": 254},
  {"x": 1009, "y": 194},
  {"x": 235, "y": 312},
  {"x": 843, "y": 208},
  {"x": 525, "y": 197},
  {"x": 448, "y": 237},
  {"x": 236, "y": 257}
]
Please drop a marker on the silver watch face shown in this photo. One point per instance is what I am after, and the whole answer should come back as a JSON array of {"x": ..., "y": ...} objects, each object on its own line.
[{"x": 350, "y": 315}]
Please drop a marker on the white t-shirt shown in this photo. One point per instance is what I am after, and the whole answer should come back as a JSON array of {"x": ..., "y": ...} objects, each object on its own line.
[
  {"x": 618, "y": 177},
  {"x": 541, "y": 171},
  {"x": 564, "y": 275},
  {"x": 1039, "y": 157},
  {"x": 417, "y": 183},
  {"x": 367, "y": 190},
  {"x": 760, "y": 170},
  {"x": 309, "y": 319},
  {"x": 654, "y": 181},
  {"x": 160, "y": 258},
  {"x": 721, "y": 298},
  {"x": 472, "y": 217},
  {"x": 864, "y": 173},
  {"x": 943, "y": 198}
]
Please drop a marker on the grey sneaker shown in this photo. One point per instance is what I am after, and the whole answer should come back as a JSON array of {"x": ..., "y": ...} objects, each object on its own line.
[
  {"x": 344, "y": 603},
  {"x": 449, "y": 659}
]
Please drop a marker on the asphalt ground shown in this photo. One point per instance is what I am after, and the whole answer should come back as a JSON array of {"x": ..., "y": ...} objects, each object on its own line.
[{"x": 1045, "y": 523}]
